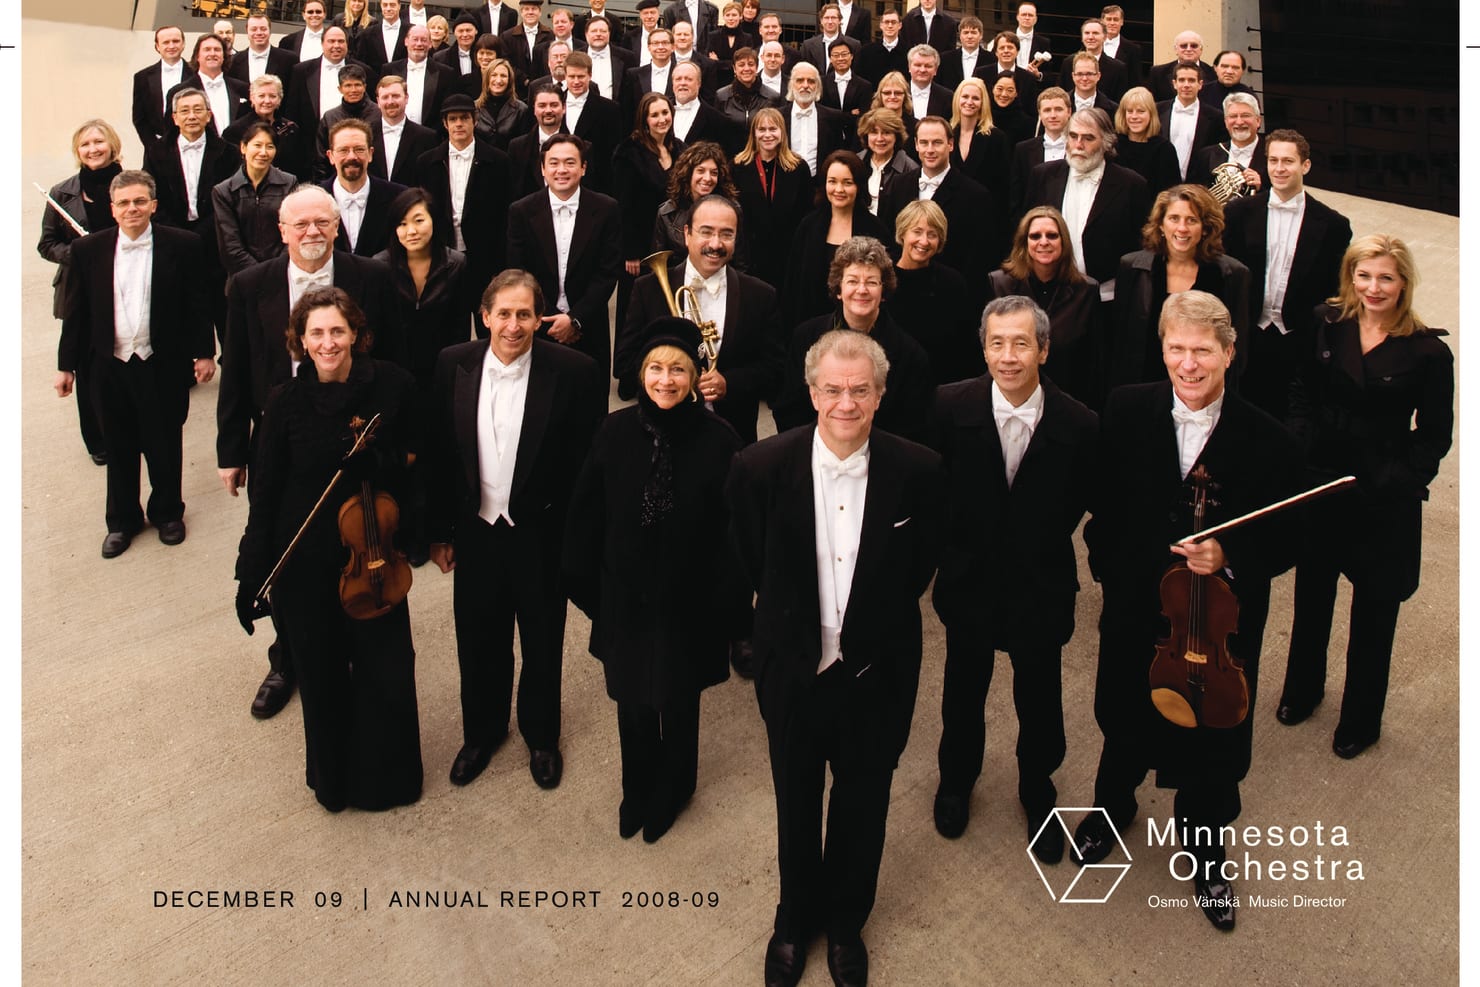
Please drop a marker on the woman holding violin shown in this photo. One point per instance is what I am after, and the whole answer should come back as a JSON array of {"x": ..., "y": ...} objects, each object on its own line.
[
  {"x": 340, "y": 593},
  {"x": 1155, "y": 438},
  {"x": 1375, "y": 399}
]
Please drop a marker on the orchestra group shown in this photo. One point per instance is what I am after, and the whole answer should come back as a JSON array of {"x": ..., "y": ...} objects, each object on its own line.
[{"x": 987, "y": 287}]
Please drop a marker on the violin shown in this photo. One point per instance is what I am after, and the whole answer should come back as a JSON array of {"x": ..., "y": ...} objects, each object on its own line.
[
  {"x": 377, "y": 576},
  {"x": 1195, "y": 680}
]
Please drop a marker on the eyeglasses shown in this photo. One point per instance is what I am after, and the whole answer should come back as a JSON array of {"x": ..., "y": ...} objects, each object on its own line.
[
  {"x": 710, "y": 233},
  {"x": 138, "y": 203},
  {"x": 301, "y": 227},
  {"x": 860, "y": 393},
  {"x": 873, "y": 284}
]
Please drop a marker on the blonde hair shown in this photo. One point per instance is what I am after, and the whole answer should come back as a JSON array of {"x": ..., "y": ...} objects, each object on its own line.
[
  {"x": 1406, "y": 321},
  {"x": 1138, "y": 98},
  {"x": 109, "y": 135},
  {"x": 984, "y": 121}
]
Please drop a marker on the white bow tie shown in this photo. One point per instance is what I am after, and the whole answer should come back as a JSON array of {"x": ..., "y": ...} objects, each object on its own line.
[
  {"x": 198, "y": 144},
  {"x": 845, "y": 77},
  {"x": 318, "y": 279},
  {"x": 801, "y": 114},
  {"x": 506, "y": 371},
  {"x": 565, "y": 209},
  {"x": 852, "y": 466},
  {"x": 1275, "y": 205},
  {"x": 930, "y": 183},
  {"x": 1186, "y": 110},
  {"x": 1056, "y": 145},
  {"x": 1084, "y": 176},
  {"x": 466, "y": 154},
  {"x": 129, "y": 246},
  {"x": 1186, "y": 416},
  {"x": 712, "y": 285},
  {"x": 1024, "y": 414}
]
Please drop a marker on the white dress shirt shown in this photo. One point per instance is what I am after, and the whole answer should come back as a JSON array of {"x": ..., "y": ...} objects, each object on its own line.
[
  {"x": 133, "y": 280},
  {"x": 771, "y": 82},
  {"x": 1193, "y": 429},
  {"x": 390, "y": 142},
  {"x": 352, "y": 207},
  {"x": 804, "y": 133},
  {"x": 1054, "y": 149},
  {"x": 416, "y": 87},
  {"x": 530, "y": 36},
  {"x": 660, "y": 78},
  {"x": 839, "y": 490},
  {"x": 601, "y": 71},
  {"x": 500, "y": 423},
  {"x": 1182, "y": 131},
  {"x": 1112, "y": 46},
  {"x": 329, "y": 86},
  {"x": 968, "y": 62},
  {"x": 464, "y": 62},
  {"x": 1281, "y": 235},
  {"x": 713, "y": 296},
  {"x": 313, "y": 45},
  {"x": 842, "y": 82},
  {"x": 1241, "y": 156},
  {"x": 1015, "y": 426},
  {"x": 845, "y": 12},
  {"x": 1025, "y": 49},
  {"x": 459, "y": 167},
  {"x": 219, "y": 100},
  {"x": 1079, "y": 199},
  {"x": 169, "y": 78},
  {"x": 191, "y": 153},
  {"x": 920, "y": 101},
  {"x": 257, "y": 64},
  {"x": 389, "y": 34},
  {"x": 563, "y": 215},
  {"x": 643, "y": 55},
  {"x": 929, "y": 186},
  {"x": 1084, "y": 102},
  {"x": 574, "y": 107},
  {"x": 416, "y": 18},
  {"x": 683, "y": 118}
]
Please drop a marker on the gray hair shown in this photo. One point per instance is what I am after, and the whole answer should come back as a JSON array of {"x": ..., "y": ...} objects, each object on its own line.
[
  {"x": 186, "y": 94},
  {"x": 866, "y": 252},
  {"x": 1102, "y": 123},
  {"x": 924, "y": 50},
  {"x": 791, "y": 84},
  {"x": 1012, "y": 305},
  {"x": 846, "y": 344},
  {"x": 310, "y": 191},
  {"x": 1198, "y": 308},
  {"x": 1246, "y": 98},
  {"x": 266, "y": 79}
]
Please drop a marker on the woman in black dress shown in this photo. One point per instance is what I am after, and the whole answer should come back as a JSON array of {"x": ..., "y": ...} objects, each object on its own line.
[
  {"x": 841, "y": 213},
  {"x": 931, "y": 302},
  {"x": 247, "y": 203},
  {"x": 1007, "y": 110},
  {"x": 86, "y": 199},
  {"x": 651, "y": 489},
  {"x": 432, "y": 300},
  {"x": 1041, "y": 266},
  {"x": 1183, "y": 238},
  {"x": 775, "y": 187},
  {"x": 750, "y": 22},
  {"x": 982, "y": 150},
  {"x": 1374, "y": 399},
  {"x": 702, "y": 168},
  {"x": 1143, "y": 149},
  {"x": 640, "y": 168},
  {"x": 356, "y": 678},
  {"x": 883, "y": 135},
  {"x": 354, "y": 18},
  {"x": 502, "y": 116}
]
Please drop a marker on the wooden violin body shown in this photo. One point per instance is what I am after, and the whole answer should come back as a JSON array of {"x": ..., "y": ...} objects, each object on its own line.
[
  {"x": 1195, "y": 680},
  {"x": 377, "y": 577}
]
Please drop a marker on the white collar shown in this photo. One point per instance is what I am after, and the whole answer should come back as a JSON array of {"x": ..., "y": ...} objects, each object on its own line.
[
  {"x": 363, "y": 195},
  {"x": 713, "y": 284},
  {"x": 574, "y": 201},
  {"x": 1002, "y": 408}
]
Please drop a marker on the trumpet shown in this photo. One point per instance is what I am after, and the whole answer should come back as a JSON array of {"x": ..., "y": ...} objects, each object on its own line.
[{"x": 684, "y": 304}]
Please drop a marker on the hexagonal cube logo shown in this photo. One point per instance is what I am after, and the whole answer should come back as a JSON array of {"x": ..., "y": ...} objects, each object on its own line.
[{"x": 1059, "y": 818}]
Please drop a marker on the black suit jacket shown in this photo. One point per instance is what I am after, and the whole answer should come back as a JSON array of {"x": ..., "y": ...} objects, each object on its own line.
[
  {"x": 709, "y": 18},
  {"x": 416, "y": 140},
  {"x": 622, "y": 60},
  {"x": 294, "y": 42},
  {"x": 280, "y": 62},
  {"x": 874, "y": 61},
  {"x": 592, "y": 267},
  {"x": 855, "y": 104},
  {"x": 526, "y": 172},
  {"x": 370, "y": 48},
  {"x": 1031, "y": 602},
  {"x": 1114, "y": 80},
  {"x": 1209, "y": 127},
  {"x": 151, "y": 121},
  {"x": 860, "y": 25},
  {"x": 831, "y": 132},
  {"x": 254, "y": 356},
  {"x": 600, "y": 126},
  {"x": 952, "y": 72},
  {"x": 1129, "y": 54},
  {"x": 1159, "y": 81},
  {"x": 301, "y": 102},
  {"x": 750, "y": 354},
  {"x": 637, "y": 83},
  {"x": 814, "y": 50},
  {"x": 1113, "y": 227},
  {"x": 1026, "y": 155},
  {"x": 485, "y": 204},
  {"x": 219, "y": 161},
  {"x": 772, "y": 529},
  {"x": 1315, "y": 270},
  {"x": 712, "y": 125},
  {"x": 1058, "y": 48},
  {"x": 564, "y": 402},
  {"x": 508, "y": 18},
  {"x": 440, "y": 83},
  {"x": 615, "y": 24},
  {"x": 978, "y": 226},
  {"x": 375, "y": 227},
  {"x": 238, "y": 103},
  {"x": 516, "y": 50},
  {"x": 942, "y": 36},
  {"x": 1200, "y": 166}
]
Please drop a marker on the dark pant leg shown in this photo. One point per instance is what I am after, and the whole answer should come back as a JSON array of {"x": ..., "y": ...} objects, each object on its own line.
[
  {"x": 638, "y": 733},
  {"x": 1207, "y": 805},
  {"x": 87, "y": 409},
  {"x": 963, "y": 736},
  {"x": 483, "y": 612},
  {"x": 798, "y": 764},
  {"x": 123, "y": 442},
  {"x": 857, "y": 812},
  {"x": 1310, "y": 633},
  {"x": 1272, "y": 364},
  {"x": 1038, "y": 697},
  {"x": 162, "y": 402},
  {"x": 1369, "y": 655},
  {"x": 541, "y": 607},
  {"x": 680, "y": 728},
  {"x": 322, "y": 654}
]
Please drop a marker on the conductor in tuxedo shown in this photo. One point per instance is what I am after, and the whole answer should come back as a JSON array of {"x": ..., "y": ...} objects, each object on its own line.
[
  {"x": 1152, "y": 437},
  {"x": 136, "y": 317},
  {"x": 512, "y": 419},
  {"x": 836, "y": 526},
  {"x": 1019, "y": 457},
  {"x": 569, "y": 239}
]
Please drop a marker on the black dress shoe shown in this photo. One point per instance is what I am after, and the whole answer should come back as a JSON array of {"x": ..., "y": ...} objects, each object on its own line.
[
  {"x": 847, "y": 961},
  {"x": 172, "y": 532},
  {"x": 1290, "y": 714},
  {"x": 1093, "y": 840},
  {"x": 629, "y": 820},
  {"x": 785, "y": 962},
  {"x": 1348, "y": 749},
  {"x": 470, "y": 762},
  {"x": 116, "y": 543},
  {"x": 98, "y": 458},
  {"x": 1049, "y": 846},
  {"x": 1217, "y": 901},
  {"x": 742, "y": 658},
  {"x": 272, "y": 696},
  {"x": 545, "y": 768},
  {"x": 952, "y": 812}
]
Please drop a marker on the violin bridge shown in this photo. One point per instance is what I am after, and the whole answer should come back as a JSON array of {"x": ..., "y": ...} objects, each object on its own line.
[
  {"x": 379, "y": 563},
  {"x": 1195, "y": 657}
]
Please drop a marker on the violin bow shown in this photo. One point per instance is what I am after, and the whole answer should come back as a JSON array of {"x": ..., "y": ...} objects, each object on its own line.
[{"x": 1279, "y": 505}]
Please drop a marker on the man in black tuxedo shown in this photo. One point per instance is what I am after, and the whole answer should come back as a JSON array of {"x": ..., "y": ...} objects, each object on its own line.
[
  {"x": 890, "y": 53},
  {"x": 844, "y": 90},
  {"x": 1152, "y": 438},
  {"x": 615, "y": 30},
  {"x": 609, "y": 61},
  {"x": 307, "y": 41},
  {"x": 1292, "y": 244},
  {"x": 427, "y": 83},
  {"x": 364, "y": 201},
  {"x": 970, "y": 59},
  {"x": 469, "y": 180},
  {"x": 684, "y": 51},
  {"x": 1103, "y": 204},
  {"x": 1004, "y": 53},
  {"x": 829, "y": 23},
  {"x": 1113, "y": 80},
  {"x": 314, "y": 89},
  {"x": 837, "y": 646},
  {"x": 636, "y": 42},
  {"x": 747, "y": 369},
  {"x": 702, "y": 14},
  {"x": 495, "y": 18},
  {"x": 525, "y": 162},
  {"x": 654, "y": 77},
  {"x": 136, "y": 315},
  {"x": 774, "y": 78},
  {"x": 594, "y": 119},
  {"x": 693, "y": 119},
  {"x": 1119, "y": 47},
  {"x": 928, "y": 98},
  {"x": 1186, "y": 121},
  {"x": 927, "y": 24},
  {"x": 562, "y": 28},
  {"x": 261, "y": 56},
  {"x": 521, "y": 40},
  {"x": 570, "y": 239},
  {"x": 978, "y": 226},
  {"x": 384, "y": 41},
  {"x": 228, "y": 99},
  {"x": 398, "y": 142},
  {"x": 151, "y": 111},
  {"x": 814, "y": 131},
  {"x": 1031, "y": 41},
  {"x": 1229, "y": 67},
  {"x": 512, "y": 419},
  {"x": 1085, "y": 76},
  {"x": 1244, "y": 147},
  {"x": 458, "y": 57},
  {"x": 254, "y": 359},
  {"x": 1161, "y": 79},
  {"x": 1019, "y": 457}
]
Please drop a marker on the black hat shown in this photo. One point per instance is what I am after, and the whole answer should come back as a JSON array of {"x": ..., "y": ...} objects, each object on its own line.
[
  {"x": 531, "y": 3},
  {"x": 645, "y": 4},
  {"x": 672, "y": 331},
  {"x": 465, "y": 19},
  {"x": 459, "y": 103}
]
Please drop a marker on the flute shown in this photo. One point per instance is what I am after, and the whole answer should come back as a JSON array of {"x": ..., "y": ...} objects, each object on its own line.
[{"x": 81, "y": 230}]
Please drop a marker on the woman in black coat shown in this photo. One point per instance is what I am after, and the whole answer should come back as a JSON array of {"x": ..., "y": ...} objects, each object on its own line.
[
  {"x": 86, "y": 199},
  {"x": 1008, "y": 112},
  {"x": 1183, "y": 238},
  {"x": 356, "y": 678},
  {"x": 651, "y": 493},
  {"x": 247, "y": 203},
  {"x": 502, "y": 116},
  {"x": 640, "y": 168},
  {"x": 1141, "y": 147},
  {"x": 930, "y": 301},
  {"x": 702, "y": 168},
  {"x": 775, "y": 187},
  {"x": 982, "y": 150},
  {"x": 1375, "y": 399},
  {"x": 841, "y": 213},
  {"x": 882, "y": 134},
  {"x": 1041, "y": 266}
]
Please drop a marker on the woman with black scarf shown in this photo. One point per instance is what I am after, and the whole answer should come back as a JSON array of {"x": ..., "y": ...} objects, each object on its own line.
[
  {"x": 86, "y": 199},
  {"x": 649, "y": 496}
]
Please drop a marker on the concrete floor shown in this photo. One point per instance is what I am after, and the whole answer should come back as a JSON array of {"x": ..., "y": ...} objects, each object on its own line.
[{"x": 143, "y": 773}]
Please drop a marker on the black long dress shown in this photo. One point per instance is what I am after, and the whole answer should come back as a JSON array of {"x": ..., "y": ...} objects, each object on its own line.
[
  {"x": 356, "y": 678},
  {"x": 439, "y": 317}
]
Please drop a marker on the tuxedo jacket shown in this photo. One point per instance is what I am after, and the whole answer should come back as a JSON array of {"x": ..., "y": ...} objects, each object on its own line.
[
  {"x": 1031, "y": 601},
  {"x": 375, "y": 227},
  {"x": 179, "y": 319},
  {"x": 416, "y": 140},
  {"x": 294, "y": 42},
  {"x": 1159, "y": 81},
  {"x": 238, "y": 105},
  {"x": 831, "y": 132},
  {"x": 772, "y": 530},
  {"x": 447, "y": 58},
  {"x": 622, "y": 60},
  {"x": 592, "y": 267},
  {"x": 254, "y": 356},
  {"x": 1026, "y": 155},
  {"x": 151, "y": 121},
  {"x": 814, "y": 50},
  {"x": 440, "y": 83},
  {"x": 952, "y": 71},
  {"x": 1113, "y": 227},
  {"x": 977, "y": 222},
  {"x": 1214, "y": 93},
  {"x": 516, "y": 50},
  {"x": 860, "y": 25},
  {"x": 1209, "y": 127},
  {"x": 1315, "y": 270},
  {"x": 1056, "y": 47},
  {"x": 1129, "y": 54},
  {"x": 750, "y": 354},
  {"x": 855, "y": 103},
  {"x": 301, "y": 101},
  {"x": 526, "y": 171},
  {"x": 639, "y": 82},
  {"x": 939, "y": 104},
  {"x": 600, "y": 126},
  {"x": 874, "y": 61},
  {"x": 508, "y": 18},
  {"x": 565, "y": 401},
  {"x": 1114, "y": 79},
  {"x": 370, "y": 48},
  {"x": 280, "y": 62},
  {"x": 712, "y": 125},
  {"x": 617, "y": 28},
  {"x": 485, "y": 204},
  {"x": 1200, "y": 166},
  {"x": 219, "y": 161},
  {"x": 1102, "y": 102},
  {"x": 708, "y": 20},
  {"x": 942, "y": 35}
]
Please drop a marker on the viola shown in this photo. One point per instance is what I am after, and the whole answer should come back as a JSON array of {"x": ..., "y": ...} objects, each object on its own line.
[{"x": 377, "y": 576}]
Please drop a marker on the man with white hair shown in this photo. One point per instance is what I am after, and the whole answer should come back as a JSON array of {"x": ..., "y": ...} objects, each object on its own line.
[
  {"x": 1189, "y": 45},
  {"x": 1244, "y": 147},
  {"x": 813, "y": 130},
  {"x": 927, "y": 97}
]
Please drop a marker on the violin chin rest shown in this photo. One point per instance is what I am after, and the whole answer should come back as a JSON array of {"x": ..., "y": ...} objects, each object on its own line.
[{"x": 1172, "y": 705}]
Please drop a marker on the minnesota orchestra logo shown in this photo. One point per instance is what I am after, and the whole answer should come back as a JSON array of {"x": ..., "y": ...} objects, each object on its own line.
[{"x": 1068, "y": 895}]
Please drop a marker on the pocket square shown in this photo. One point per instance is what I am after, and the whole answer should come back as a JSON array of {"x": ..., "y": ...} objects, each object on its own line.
[{"x": 901, "y": 524}]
